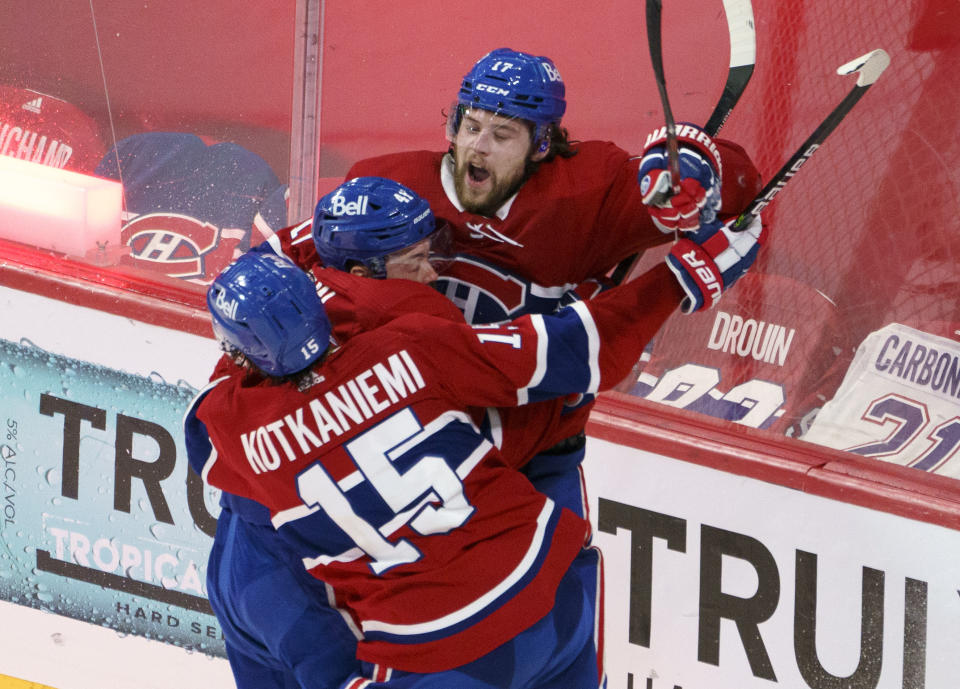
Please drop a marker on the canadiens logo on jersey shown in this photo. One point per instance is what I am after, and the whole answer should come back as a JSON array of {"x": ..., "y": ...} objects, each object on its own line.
[
  {"x": 187, "y": 202},
  {"x": 179, "y": 246},
  {"x": 487, "y": 294}
]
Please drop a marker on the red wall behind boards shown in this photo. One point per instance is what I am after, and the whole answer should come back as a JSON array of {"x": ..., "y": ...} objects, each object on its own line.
[
  {"x": 389, "y": 69},
  {"x": 223, "y": 69}
]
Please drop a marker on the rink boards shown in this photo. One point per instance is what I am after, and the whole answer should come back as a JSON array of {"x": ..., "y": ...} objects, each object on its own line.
[{"x": 730, "y": 559}]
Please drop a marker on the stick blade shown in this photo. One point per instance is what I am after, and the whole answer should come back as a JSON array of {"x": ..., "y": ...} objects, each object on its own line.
[
  {"x": 743, "y": 32},
  {"x": 870, "y": 66}
]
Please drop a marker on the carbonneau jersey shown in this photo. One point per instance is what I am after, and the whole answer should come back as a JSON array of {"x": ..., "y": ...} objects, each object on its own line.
[
  {"x": 437, "y": 548},
  {"x": 570, "y": 222},
  {"x": 191, "y": 208},
  {"x": 764, "y": 357},
  {"x": 899, "y": 401}
]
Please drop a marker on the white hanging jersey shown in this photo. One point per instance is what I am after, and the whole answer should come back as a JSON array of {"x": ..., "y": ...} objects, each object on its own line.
[{"x": 899, "y": 402}]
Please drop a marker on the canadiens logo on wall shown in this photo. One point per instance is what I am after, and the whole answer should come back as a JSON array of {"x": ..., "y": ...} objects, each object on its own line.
[{"x": 178, "y": 245}]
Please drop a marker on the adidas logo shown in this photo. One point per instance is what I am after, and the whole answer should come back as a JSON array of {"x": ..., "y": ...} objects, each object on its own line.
[{"x": 34, "y": 105}]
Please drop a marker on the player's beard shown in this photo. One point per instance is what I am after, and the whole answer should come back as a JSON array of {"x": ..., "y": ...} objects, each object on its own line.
[{"x": 501, "y": 188}]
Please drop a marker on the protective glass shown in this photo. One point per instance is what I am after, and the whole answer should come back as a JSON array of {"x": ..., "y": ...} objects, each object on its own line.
[{"x": 424, "y": 260}]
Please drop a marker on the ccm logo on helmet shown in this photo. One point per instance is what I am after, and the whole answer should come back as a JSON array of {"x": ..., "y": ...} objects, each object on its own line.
[
  {"x": 340, "y": 206},
  {"x": 227, "y": 308},
  {"x": 495, "y": 90},
  {"x": 710, "y": 280}
]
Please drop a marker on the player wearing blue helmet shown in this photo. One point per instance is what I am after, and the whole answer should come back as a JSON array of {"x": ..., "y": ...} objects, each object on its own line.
[
  {"x": 280, "y": 325},
  {"x": 536, "y": 216},
  {"x": 279, "y": 629},
  {"x": 378, "y": 228},
  {"x": 505, "y": 122},
  {"x": 512, "y": 84},
  {"x": 266, "y": 314},
  {"x": 452, "y": 568},
  {"x": 529, "y": 221}
]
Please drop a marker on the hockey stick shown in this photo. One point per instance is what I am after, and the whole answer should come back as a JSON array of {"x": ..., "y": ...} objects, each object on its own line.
[
  {"x": 869, "y": 68},
  {"x": 743, "y": 56},
  {"x": 655, "y": 43}
]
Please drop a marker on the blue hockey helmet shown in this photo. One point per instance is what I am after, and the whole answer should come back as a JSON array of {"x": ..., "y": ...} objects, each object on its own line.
[
  {"x": 514, "y": 84},
  {"x": 368, "y": 218},
  {"x": 267, "y": 308}
]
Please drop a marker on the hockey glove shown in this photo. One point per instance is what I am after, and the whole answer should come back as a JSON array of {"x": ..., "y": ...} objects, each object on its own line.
[
  {"x": 698, "y": 198},
  {"x": 709, "y": 261}
]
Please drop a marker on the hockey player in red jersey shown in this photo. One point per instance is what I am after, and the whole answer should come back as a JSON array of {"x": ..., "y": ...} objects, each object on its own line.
[
  {"x": 442, "y": 556},
  {"x": 375, "y": 229},
  {"x": 278, "y": 628},
  {"x": 532, "y": 214},
  {"x": 556, "y": 473},
  {"x": 536, "y": 218},
  {"x": 373, "y": 248}
]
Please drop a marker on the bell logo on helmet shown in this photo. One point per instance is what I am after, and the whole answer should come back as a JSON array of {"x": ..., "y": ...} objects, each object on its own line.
[
  {"x": 552, "y": 73},
  {"x": 340, "y": 206},
  {"x": 227, "y": 308}
]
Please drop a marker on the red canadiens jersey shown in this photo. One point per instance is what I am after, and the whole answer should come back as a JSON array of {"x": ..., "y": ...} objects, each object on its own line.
[
  {"x": 764, "y": 357},
  {"x": 47, "y": 130},
  {"x": 573, "y": 220},
  {"x": 190, "y": 208},
  {"x": 390, "y": 491},
  {"x": 357, "y": 304},
  {"x": 900, "y": 399}
]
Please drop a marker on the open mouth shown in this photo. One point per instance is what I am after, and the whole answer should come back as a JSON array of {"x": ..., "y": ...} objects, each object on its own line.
[{"x": 477, "y": 174}]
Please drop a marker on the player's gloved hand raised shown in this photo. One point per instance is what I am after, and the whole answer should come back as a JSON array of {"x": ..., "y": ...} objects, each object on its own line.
[
  {"x": 707, "y": 262},
  {"x": 698, "y": 198}
]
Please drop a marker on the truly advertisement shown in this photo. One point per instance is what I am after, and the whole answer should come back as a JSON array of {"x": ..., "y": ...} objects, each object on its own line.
[
  {"x": 101, "y": 519},
  {"x": 712, "y": 579},
  {"x": 717, "y": 580}
]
